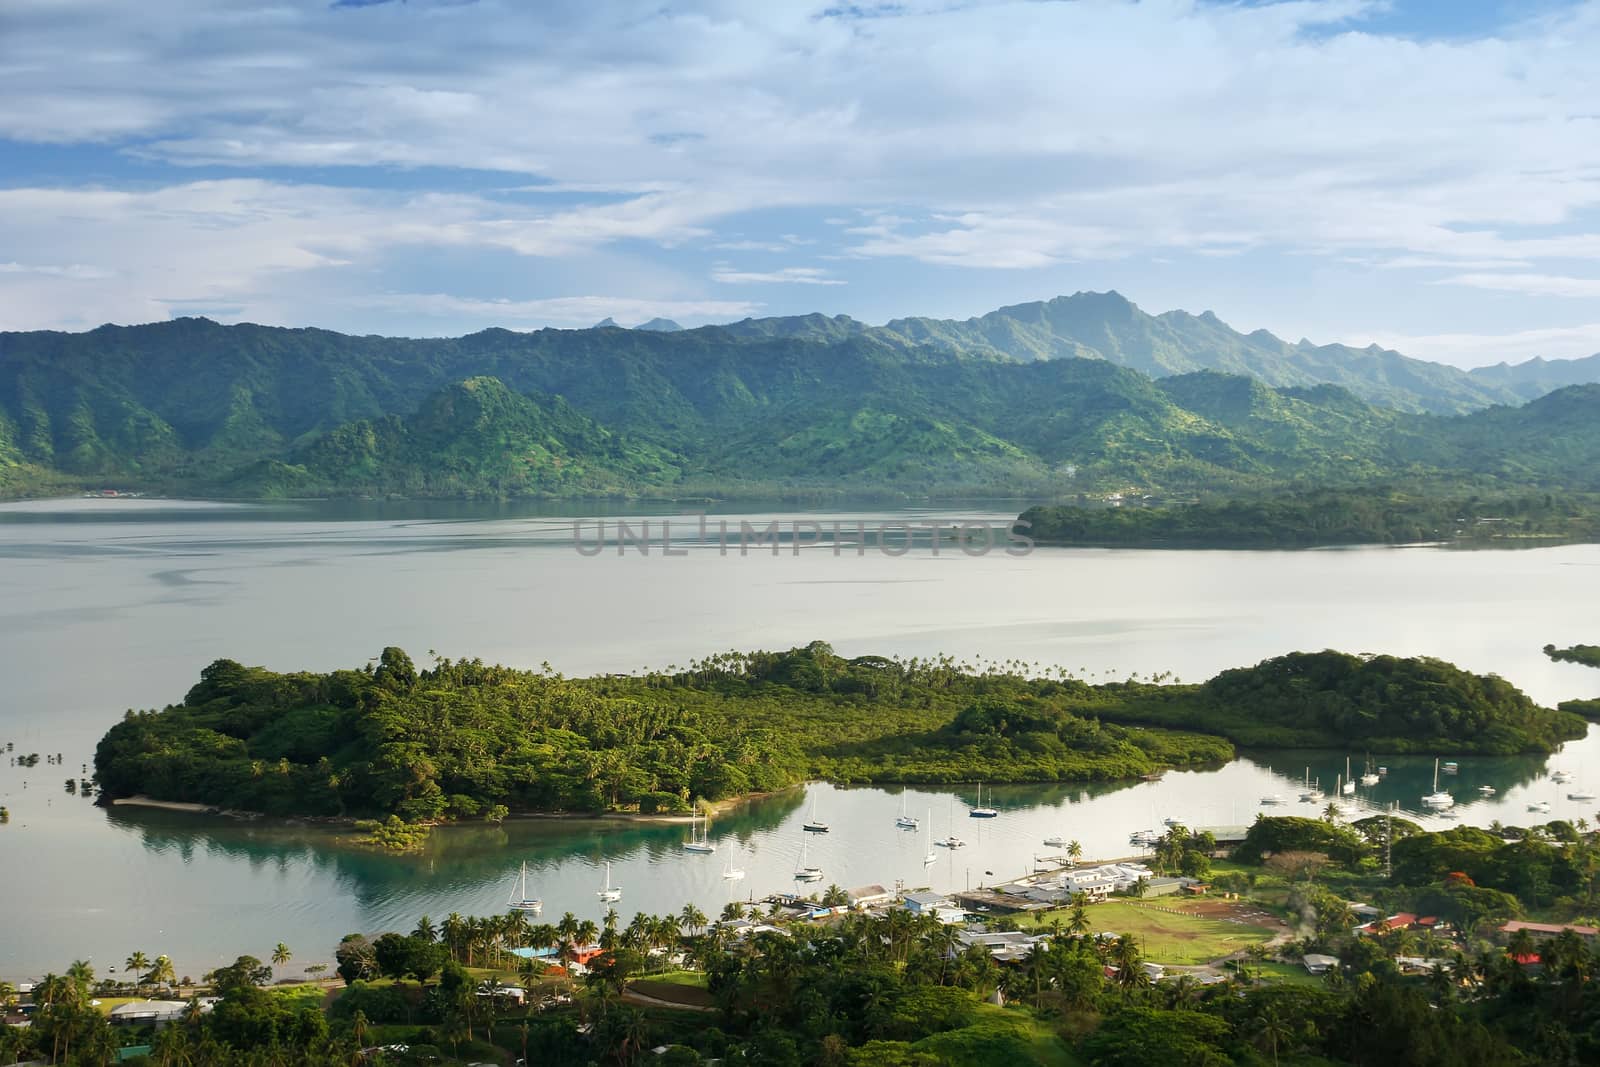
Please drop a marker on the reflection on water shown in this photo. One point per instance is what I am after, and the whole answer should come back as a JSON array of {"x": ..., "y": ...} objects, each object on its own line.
[
  {"x": 216, "y": 886},
  {"x": 106, "y": 605}
]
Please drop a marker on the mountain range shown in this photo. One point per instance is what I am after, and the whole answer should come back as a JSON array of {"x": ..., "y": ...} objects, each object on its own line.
[
  {"x": 1109, "y": 326},
  {"x": 1081, "y": 393}
]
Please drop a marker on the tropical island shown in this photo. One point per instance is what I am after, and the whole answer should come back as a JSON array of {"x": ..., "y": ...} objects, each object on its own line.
[
  {"x": 1307, "y": 518},
  {"x": 464, "y": 739}
]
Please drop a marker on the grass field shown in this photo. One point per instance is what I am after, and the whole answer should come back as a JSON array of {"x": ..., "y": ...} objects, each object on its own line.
[
  {"x": 661, "y": 987},
  {"x": 684, "y": 978},
  {"x": 1188, "y": 932},
  {"x": 1290, "y": 973}
]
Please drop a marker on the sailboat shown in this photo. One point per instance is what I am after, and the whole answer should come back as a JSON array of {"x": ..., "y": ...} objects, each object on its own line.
[
  {"x": 610, "y": 892},
  {"x": 952, "y": 841},
  {"x": 981, "y": 812},
  {"x": 814, "y": 825},
  {"x": 904, "y": 821},
  {"x": 1370, "y": 777},
  {"x": 731, "y": 873},
  {"x": 1057, "y": 841},
  {"x": 520, "y": 900},
  {"x": 1438, "y": 799},
  {"x": 931, "y": 856},
  {"x": 702, "y": 843},
  {"x": 1348, "y": 789},
  {"x": 1312, "y": 793},
  {"x": 806, "y": 871}
]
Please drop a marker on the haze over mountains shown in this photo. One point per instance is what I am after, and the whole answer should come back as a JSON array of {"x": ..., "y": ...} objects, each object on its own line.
[
  {"x": 1111, "y": 327},
  {"x": 1080, "y": 393}
]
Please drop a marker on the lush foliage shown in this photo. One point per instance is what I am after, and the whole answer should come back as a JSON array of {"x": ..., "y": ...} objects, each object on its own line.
[
  {"x": 1588, "y": 655},
  {"x": 456, "y": 740},
  {"x": 1378, "y": 703},
  {"x": 253, "y": 411},
  {"x": 1300, "y": 519},
  {"x": 462, "y": 738}
]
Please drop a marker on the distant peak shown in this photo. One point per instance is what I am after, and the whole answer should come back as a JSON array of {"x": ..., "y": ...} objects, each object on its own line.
[
  {"x": 605, "y": 322},
  {"x": 658, "y": 325}
]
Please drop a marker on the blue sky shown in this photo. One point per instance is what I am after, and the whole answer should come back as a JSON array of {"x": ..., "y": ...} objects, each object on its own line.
[{"x": 1422, "y": 175}]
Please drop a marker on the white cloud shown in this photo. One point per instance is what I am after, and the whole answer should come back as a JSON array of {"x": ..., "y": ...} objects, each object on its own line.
[
  {"x": 48, "y": 270},
  {"x": 559, "y": 310},
  {"x": 1481, "y": 349},
  {"x": 270, "y": 248},
  {"x": 1529, "y": 284},
  {"x": 985, "y": 134},
  {"x": 783, "y": 276}
]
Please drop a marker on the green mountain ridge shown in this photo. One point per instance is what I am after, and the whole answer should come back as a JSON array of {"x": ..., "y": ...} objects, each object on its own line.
[
  {"x": 194, "y": 406},
  {"x": 1108, "y": 326}
]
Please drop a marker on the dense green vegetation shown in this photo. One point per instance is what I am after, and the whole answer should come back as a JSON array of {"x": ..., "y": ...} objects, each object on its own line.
[
  {"x": 252, "y": 411},
  {"x": 455, "y": 740},
  {"x": 892, "y": 988},
  {"x": 1305, "y": 518},
  {"x": 463, "y": 740},
  {"x": 1378, "y": 703},
  {"x": 1588, "y": 655}
]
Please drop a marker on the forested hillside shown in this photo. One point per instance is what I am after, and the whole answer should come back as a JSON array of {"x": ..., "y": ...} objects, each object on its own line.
[
  {"x": 461, "y": 737},
  {"x": 191, "y": 406}
]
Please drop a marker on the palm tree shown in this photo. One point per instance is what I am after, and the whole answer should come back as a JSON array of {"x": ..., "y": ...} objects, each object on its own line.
[
  {"x": 1131, "y": 974},
  {"x": 138, "y": 963},
  {"x": 171, "y": 1047},
  {"x": 692, "y": 917},
  {"x": 1074, "y": 851},
  {"x": 425, "y": 930},
  {"x": 161, "y": 972},
  {"x": 1273, "y": 1029},
  {"x": 732, "y": 912},
  {"x": 281, "y": 954},
  {"x": 82, "y": 976},
  {"x": 358, "y": 1026},
  {"x": 1078, "y": 918}
]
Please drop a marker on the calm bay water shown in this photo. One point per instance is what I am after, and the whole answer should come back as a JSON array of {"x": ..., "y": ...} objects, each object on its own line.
[{"x": 106, "y": 605}]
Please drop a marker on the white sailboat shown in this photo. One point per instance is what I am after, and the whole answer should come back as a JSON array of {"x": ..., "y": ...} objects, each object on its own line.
[
  {"x": 610, "y": 892},
  {"x": 814, "y": 825},
  {"x": 981, "y": 812},
  {"x": 520, "y": 900},
  {"x": 1273, "y": 799},
  {"x": 702, "y": 841},
  {"x": 731, "y": 873},
  {"x": 904, "y": 821},
  {"x": 952, "y": 841},
  {"x": 1370, "y": 777},
  {"x": 1312, "y": 793},
  {"x": 1057, "y": 841},
  {"x": 931, "y": 856},
  {"x": 806, "y": 871},
  {"x": 1541, "y": 807},
  {"x": 1438, "y": 799},
  {"x": 1348, "y": 789}
]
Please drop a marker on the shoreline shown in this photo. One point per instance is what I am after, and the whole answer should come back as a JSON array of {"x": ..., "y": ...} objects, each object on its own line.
[{"x": 714, "y": 808}]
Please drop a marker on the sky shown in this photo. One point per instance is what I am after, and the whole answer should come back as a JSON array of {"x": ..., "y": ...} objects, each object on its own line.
[{"x": 1423, "y": 175}]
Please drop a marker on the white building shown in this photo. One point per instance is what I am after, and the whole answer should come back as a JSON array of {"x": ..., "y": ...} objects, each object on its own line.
[{"x": 927, "y": 902}]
